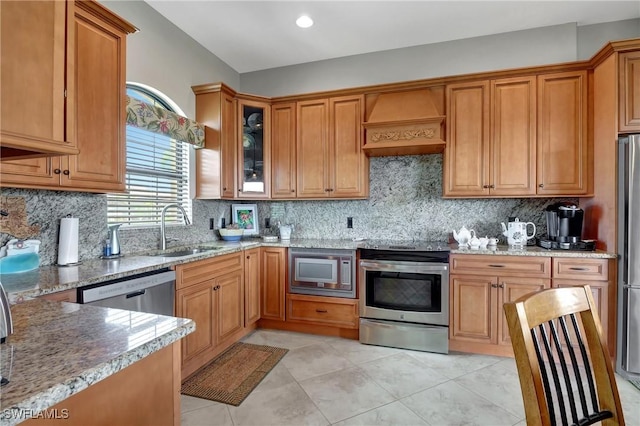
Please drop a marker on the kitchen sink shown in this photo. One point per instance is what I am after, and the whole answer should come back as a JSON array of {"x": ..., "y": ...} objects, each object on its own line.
[{"x": 184, "y": 252}]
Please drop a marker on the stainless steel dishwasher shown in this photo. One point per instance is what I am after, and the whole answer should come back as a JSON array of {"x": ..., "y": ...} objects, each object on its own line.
[{"x": 151, "y": 292}]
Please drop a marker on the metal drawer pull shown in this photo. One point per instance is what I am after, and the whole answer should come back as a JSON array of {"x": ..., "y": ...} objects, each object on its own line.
[
  {"x": 497, "y": 266},
  {"x": 321, "y": 311},
  {"x": 494, "y": 285},
  {"x": 579, "y": 269}
]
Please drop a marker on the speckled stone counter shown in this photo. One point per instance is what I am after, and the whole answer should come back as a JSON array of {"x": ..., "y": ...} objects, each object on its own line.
[
  {"x": 59, "y": 349},
  {"x": 534, "y": 251},
  {"x": 51, "y": 279}
]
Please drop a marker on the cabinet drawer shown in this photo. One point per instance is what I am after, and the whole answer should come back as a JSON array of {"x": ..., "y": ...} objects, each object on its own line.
[
  {"x": 525, "y": 266},
  {"x": 323, "y": 310},
  {"x": 202, "y": 270},
  {"x": 581, "y": 269}
]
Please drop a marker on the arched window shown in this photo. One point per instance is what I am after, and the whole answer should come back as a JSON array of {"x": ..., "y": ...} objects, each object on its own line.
[{"x": 157, "y": 172}]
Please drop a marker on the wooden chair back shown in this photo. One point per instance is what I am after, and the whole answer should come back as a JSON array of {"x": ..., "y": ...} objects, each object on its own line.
[{"x": 565, "y": 372}]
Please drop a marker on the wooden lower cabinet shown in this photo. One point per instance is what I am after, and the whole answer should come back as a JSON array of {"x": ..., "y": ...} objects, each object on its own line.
[
  {"x": 600, "y": 275},
  {"x": 332, "y": 311},
  {"x": 251, "y": 286},
  {"x": 211, "y": 293},
  {"x": 477, "y": 292},
  {"x": 145, "y": 393},
  {"x": 273, "y": 263}
]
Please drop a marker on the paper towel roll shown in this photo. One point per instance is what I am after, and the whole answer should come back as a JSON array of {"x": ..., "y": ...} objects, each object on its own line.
[{"x": 68, "y": 241}]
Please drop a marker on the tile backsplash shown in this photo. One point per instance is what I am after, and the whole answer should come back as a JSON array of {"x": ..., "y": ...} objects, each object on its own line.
[{"x": 405, "y": 203}]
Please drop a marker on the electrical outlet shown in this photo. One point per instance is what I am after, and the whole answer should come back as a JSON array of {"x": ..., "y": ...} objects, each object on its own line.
[
  {"x": 267, "y": 222},
  {"x": 349, "y": 222},
  {"x": 211, "y": 223}
]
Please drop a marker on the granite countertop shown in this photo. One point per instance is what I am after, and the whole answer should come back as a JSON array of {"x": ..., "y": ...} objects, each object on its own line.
[
  {"x": 534, "y": 251},
  {"x": 52, "y": 279},
  {"x": 59, "y": 349}
]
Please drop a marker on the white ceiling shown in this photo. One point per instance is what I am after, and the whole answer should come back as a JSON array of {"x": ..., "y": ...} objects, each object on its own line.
[{"x": 257, "y": 35}]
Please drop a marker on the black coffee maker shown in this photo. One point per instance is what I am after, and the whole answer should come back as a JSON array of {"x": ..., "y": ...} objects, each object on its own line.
[{"x": 564, "y": 228}]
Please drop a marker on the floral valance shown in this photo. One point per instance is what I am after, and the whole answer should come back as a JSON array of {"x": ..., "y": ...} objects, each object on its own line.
[{"x": 159, "y": 120}]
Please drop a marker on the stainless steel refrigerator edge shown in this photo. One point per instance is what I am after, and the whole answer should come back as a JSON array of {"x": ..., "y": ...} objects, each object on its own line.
[{"x": 628, "y": 346}]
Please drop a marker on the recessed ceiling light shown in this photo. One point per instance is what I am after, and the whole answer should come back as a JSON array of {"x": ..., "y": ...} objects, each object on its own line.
[{"x": 304, "y": 21}]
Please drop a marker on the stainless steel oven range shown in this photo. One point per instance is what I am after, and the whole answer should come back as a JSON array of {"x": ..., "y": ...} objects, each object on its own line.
[{"x": 404, "y": 295}]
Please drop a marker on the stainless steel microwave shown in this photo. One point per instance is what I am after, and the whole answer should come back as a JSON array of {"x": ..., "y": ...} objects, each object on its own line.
[{"x": 322, "y": 272}]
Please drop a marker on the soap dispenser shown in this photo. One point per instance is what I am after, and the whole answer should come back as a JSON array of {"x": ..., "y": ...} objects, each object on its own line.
[{"x": 114, "y": 237}]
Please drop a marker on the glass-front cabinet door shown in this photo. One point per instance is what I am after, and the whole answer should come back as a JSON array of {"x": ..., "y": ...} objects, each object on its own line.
[{"x": 254, "y": 149}]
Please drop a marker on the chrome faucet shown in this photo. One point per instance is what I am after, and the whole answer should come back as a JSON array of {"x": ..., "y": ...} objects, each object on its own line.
[{"x": 163, "y": 237}]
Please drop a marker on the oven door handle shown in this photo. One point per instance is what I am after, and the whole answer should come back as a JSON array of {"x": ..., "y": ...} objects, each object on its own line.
[{"x": 411, "y": 267}]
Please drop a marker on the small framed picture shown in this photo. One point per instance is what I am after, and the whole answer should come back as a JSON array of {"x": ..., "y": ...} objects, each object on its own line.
[{"x": 246, "y": 216}]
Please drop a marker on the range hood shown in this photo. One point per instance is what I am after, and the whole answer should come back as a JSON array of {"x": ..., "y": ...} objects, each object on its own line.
[{"x": 404, "y": 123}]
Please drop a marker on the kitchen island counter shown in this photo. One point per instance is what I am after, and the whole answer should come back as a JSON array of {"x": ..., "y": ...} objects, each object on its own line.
[{"x": 60, "y": 349}]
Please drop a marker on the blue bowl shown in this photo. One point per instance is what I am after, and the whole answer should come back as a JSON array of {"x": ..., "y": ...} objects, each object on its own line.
[{"x": 231, "y": 237}]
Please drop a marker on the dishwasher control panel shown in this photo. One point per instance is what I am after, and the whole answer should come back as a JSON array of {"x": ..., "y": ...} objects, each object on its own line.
[{"x": 124, "y": 286}]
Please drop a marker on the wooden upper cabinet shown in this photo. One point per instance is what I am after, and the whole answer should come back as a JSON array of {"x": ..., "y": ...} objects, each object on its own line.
[
  {"x": 513, "y": 137},
  {"x": 330, "y": 161},
  {"x": 312, "y": 147},
  {"x": 283, "y": 150},
  {"x": 215, "y": 163},
  {"x": 466, "y": 171},
  {"x": 491, "y": 138},
  {"x": 100, "y": 80},
  {"x": 36, "y": 78},
  {"x": 563, "y": 155},
  {"x": 254, "y": 149},
  {"x": 349, "y": 167},
  {"x": 629, "y": 86},
  {"x": 95, "y": 112}
]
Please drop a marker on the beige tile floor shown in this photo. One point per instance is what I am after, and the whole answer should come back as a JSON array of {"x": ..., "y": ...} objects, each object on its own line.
[{"x": 327, "y": 380}]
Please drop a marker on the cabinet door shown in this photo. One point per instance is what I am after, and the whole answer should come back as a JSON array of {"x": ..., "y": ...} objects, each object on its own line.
[
  {"x": 600, "y": 292},
  {"x": 251, "y": 286},
  {"x": 466, "y": 160},
  {"x": 629, "y": 86},
  {"x": 474, "y": 307},
  {"x": 100, "y": 71},
  {"x": 30, "y": 173},
  {"x": 509, "y": 290},
  {"x": 513, "y": 137},
  {"x": 197, "y": 303},
  {"x": 228, "y": 147},
  {"x": 229, "y": 304},
  {"x": 283, "y": 150},
  {"x": 254, "y": 133},
  {"x": 348, "y": 166},
  {"x": 35, "y": 39},
  {"x": 312, "y": 149},
  {"x": 563, "y": 156},
  {"x": 273, "y": 282}
]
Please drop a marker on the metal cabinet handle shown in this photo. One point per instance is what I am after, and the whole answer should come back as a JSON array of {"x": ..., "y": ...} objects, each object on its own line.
[
  {"x": 579, "y": 269},
  {"x": 330, "y": 189},
  {"x": 224, "y": 188},
  {"x": 541, "y": 185},
  {"x": 494, "y": 285},
  {"x": 492, "y": 186},
  {"x": 321, "y": 311},
  {"x": 65, "y": 172},
  {"x": 57, "y": 171},
  {"x": 501, "y": 285},
  {"x": 496, "y": 266},
  {"x": 216, "y": 287},
  {"x": 293, "y": 190},
  {"x": 485, "y": 186}
]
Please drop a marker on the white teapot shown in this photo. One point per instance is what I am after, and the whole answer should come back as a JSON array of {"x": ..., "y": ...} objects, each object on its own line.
[
  {"x": 516, "y": 232},
  {"x": 463, "y": 236}
]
